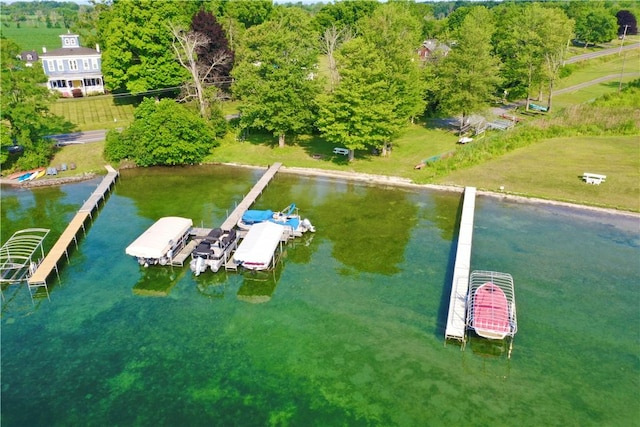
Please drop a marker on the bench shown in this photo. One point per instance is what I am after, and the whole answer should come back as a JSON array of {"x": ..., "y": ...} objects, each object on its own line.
[
  {"x": 342, "y": 151},
  {"x": 593, "y": 178}
]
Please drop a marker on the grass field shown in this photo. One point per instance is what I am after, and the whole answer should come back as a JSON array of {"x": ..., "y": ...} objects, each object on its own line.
[
  {"x": 33, "y": 38},
  {"x": 590, "y": 93},
  {"x": 88, "y": 158},
  {"x": 96, "y": 112},
  {"x": 603, "y": 66},
  {"x": 552, "y": 169}
]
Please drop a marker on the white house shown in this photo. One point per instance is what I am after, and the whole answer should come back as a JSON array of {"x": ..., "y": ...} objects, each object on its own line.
[{"x": 73, "y": 67}]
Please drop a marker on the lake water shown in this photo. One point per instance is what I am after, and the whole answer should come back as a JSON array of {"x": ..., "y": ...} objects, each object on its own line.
[{"x": 347, "y": 331}]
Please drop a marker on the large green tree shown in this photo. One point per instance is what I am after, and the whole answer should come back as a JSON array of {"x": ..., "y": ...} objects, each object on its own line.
[
  {"x": 138, "y": 55},
  {"x": 596, "y": 25},
  {"x": 469, "y": 75},
  {"x": 396, "y": 33},
  {"x": 274, "y": 76},
  {"x": 162, "y": 133},
  {"x": 359, "y": 113},
  {"x": 24, "y": 109},
  {"x": 531, "y": 39}
]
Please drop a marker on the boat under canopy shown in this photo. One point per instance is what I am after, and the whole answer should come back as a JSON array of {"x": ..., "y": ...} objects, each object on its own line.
[
  {"x": 491, "y": 309},
  {"x": 257, "y": 249},
  {"x": 161, "y": 241}
]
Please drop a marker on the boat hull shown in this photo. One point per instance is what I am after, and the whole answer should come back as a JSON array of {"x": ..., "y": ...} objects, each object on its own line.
[{"x": 491, "y": 312}]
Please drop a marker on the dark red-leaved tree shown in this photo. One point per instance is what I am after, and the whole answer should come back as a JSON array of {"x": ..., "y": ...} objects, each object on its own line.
[
  {"x": 212, "y": 52},
  {"x": 628, "y": 19}
]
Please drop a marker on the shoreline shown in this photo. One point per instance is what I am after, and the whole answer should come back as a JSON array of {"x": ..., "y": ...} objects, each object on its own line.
[
  {"x": 393, "y": 181},
  {"x": 405, "y": 182}
]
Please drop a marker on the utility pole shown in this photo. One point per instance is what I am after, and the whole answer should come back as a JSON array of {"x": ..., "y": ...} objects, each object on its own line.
[
  {"x": 624, "y": 59},
  {"x": 624, "y": 35}
]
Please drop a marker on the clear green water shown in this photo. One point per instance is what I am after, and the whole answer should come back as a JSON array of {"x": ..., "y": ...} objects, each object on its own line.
[{"x": 346, "y": 332}]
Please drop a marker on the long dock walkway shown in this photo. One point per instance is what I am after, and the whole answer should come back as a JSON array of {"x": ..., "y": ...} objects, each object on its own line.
[
  {"x": 50, "y": 262},
  {"x": 456, "y": 319},
  {"x": 248, "y": 200},
  {"x": 231, "y": 221}
]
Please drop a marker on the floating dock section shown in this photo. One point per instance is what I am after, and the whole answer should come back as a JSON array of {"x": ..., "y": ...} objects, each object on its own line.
[
  {"x": 50, "y": 262},
  {"x": 456, "y": 319}
]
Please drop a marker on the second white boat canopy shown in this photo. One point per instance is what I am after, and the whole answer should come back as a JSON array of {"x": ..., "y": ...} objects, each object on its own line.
[{"x": 256, "y": 250}]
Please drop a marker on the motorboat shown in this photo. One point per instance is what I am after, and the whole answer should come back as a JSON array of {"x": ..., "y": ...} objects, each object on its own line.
[
  {"x": 257, "y": 249},
  {"x": 161, "y": 241},
  {"x": 289, "y": 217},
  {"x": 213, "y": 251},
  {"x": 491, "y": 317}
]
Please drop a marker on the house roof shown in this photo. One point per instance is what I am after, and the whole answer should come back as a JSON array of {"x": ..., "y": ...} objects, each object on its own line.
[
  {"x": 25, "y": 55},
  {"x": 71, "y": 51}
]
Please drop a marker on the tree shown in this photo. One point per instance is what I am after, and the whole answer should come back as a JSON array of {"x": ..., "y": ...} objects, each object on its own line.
[
  {"x": 25, "y": 108},
  {"x": 330, "y": 41},
  {"x": 186, "y": 45},
  {"x": 531, "y": 40},
  {"x": 558, "y": 29},
  {"x": 359, "y": 113},
  {"x": 248, "y": 13},
  {"x": 274, "y": 79},
  {"x": 343, "y": 14},
  {"x": 137, "y": 54},
  {"x": 596, "y": 25},
  {"x": 218, "y": 47},
  {"x": 162, "y": 133},
  {"x": 469, "y": 74},
  {"x": 627, "y": 24},
  {"x": 396, "y": 33}
]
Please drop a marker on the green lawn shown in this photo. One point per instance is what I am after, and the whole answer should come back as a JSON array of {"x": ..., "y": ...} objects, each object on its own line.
[
  {"x": 34, "y": 38},
  {"x": 88, "y": 158},
  {"x": 552, "y": 169},
  {"x": 416, "y": 144},
  {"x": 96, "y": 112},
  {"x": 590, "y": 93},
  {"x": 603, "y": 66}
]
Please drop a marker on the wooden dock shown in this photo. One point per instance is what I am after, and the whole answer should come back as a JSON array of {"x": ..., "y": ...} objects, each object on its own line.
[
  {"x": 248, "y": 200},
  {"x": 50, "y": 262},
  {"x": 456, "y": 319},
  {"x": 198, "y": 233}
]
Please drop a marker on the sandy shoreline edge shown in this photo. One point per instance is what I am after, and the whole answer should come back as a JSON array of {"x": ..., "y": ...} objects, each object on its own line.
[{"x": 360, "y": 177}]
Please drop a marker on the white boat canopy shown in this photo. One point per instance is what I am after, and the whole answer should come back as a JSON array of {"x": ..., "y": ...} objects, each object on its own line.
[
  {"x": 257, "y": 248},
  {"x": 160, "y": 237}
]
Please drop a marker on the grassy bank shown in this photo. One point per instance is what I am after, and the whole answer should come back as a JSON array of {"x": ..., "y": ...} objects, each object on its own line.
[{"x": 552, "y": 169}]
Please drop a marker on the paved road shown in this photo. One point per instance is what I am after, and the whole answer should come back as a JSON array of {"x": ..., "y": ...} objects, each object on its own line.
[
  {"x": 79, "y": 137},
  {"x": 594, "y": 82},
  {"x": 603, "y": 52}
]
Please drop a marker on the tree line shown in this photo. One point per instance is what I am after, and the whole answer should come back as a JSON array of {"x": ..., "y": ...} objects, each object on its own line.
[{"x": 348, "y": 71}]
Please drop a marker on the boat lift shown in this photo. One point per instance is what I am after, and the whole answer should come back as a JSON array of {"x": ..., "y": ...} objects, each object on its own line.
[
  {"x": 17, "y": 262},
  {"x": 505, "y": 282}
]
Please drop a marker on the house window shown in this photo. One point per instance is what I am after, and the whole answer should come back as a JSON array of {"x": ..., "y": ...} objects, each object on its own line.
[
  {"x": 60, "y": 65},
  {"x": 51, "y": 66},
  {"x": 73, "y": 65},
  {"x": 94, "y": 63},
  {"x": 58, "y": 83},
  {"x": 67, "y": 41},
  {"x": 92, "y": 82},
  {"x": 85, "y": 64}
]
